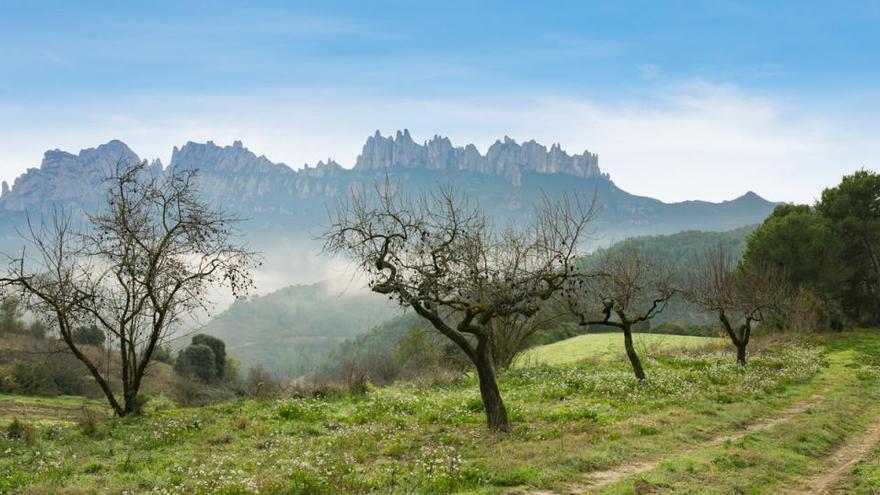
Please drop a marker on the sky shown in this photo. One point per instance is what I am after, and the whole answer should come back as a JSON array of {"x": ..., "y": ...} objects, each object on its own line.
[{"x": 681, "y": 100}]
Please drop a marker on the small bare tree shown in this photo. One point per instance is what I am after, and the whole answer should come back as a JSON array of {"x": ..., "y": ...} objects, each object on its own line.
[
  {"x": 626, "y": 288},
  {"x": 440, "y": 257},
  {"x": 134, "y": 270},
  {"x": 740, "y": 298}
]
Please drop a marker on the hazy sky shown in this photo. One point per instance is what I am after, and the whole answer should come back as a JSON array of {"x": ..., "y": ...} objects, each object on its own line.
[{"x": 681, "y": 100}]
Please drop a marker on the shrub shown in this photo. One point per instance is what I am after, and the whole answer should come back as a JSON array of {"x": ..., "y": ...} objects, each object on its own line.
[
  {"x": 7, "y": 381},
  {"x": 58, "y": 376},
  {"x": 197, "y": 360},
  {"x": 88, "y": 424},
  {"x": 261, "y": 384},
  {"x": 218, "y": 347},
  {"x": 89, "y": 335},
  {"x": 302, "y": 410},
  {"x": 232, "y": 373},
  {"x": 19, "y": 430},
  {"x": 355, "y": 380},
  {"x": 38, "y": 330},
  {"x": 10, "y": 316},
  {"x": 163, "y": 354},
  {"x": 33, "y": 379}
]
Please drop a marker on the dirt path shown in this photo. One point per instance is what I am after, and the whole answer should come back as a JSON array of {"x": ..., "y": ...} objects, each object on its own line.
[
  {"x": 598, "y": 479},
  {"x": 840, "y": 463}
]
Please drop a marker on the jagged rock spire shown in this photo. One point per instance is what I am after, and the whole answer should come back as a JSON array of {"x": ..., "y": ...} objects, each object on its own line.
[{"x": 505, "y": 158}]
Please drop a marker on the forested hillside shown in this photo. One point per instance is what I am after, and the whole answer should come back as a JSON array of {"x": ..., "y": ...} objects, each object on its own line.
[{"x": 290, "y": 331}]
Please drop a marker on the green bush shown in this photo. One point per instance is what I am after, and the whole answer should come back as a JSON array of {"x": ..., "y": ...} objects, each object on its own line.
[
  {"x": 89, "y": 335},
  {"x": 197, "y": 360},
  {"x": 163, "y": 354},
  {"x": 218, "y": 347},
  {"x": 7, "y": 381},
  {"x": 19, "y": 430},
  {"x": 51, "y": 377}
]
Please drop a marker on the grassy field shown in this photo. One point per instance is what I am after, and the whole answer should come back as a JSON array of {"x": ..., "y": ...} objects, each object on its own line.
[
  {"x": 609, "y": 346},
  {"x": 63, "y": 409},
  {"x": 699, "y": 424}
]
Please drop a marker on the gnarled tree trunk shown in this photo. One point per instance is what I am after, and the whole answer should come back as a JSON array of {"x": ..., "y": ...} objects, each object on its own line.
[
  {"x": 496, "y": 413},
  {"x": 631, "y": 354},
  {"x": 741, "y": 353}
]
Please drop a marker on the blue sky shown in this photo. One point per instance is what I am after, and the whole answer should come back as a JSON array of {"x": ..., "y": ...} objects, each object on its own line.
[{"x": 681, "y": 100}]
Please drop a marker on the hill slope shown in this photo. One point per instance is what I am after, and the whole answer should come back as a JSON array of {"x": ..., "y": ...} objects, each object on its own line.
[
  {"x": 290, "y": 330},
  {"x": 608, "y": 346}
]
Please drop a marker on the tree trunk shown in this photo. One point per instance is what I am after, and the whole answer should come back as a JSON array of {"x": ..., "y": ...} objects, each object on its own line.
[
  {"x": 496, "y": 413},
  {"x": 631, "y": 354},
  {"x": 131, "y": 401},
  {"x": 66, "y": 336},
  {"x": 741, "y": 353}
]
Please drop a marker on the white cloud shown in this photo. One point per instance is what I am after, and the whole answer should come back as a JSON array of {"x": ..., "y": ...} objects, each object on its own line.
[{"x": 694, "y": 140}]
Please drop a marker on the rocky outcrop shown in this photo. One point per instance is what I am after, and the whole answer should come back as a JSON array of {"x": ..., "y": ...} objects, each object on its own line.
[
  {"x": 506, "y": 159},
  {"x": 67, "y": 178},
  {"x": 507, "y": 181},
  {"x": 235, "y": 175}
]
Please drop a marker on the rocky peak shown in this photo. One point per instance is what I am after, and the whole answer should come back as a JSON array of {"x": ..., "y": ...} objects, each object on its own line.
[
  {"x": 209, "y": 158},
  {"x": 65, "y": 177},
  {"x": 506, "y": 158},
  {"x": 322, "y": 169}
]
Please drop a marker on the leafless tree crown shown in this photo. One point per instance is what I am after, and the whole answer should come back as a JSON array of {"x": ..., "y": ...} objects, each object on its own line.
[
  {"x": 137, "y": 266},
  {"x": 438, "y": 255}
]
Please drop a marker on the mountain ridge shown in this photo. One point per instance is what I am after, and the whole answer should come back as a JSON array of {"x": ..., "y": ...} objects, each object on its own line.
[
  {"x": 504, "y": 158},
  {"x": 280, "y": 203}
]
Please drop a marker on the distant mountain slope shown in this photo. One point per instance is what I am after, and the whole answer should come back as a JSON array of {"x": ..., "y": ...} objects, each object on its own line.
[
  {"x": 683, "y": 249},
  {"x": 290, "y": 330}
]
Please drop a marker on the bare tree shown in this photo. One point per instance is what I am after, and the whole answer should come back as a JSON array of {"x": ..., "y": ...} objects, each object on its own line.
[
  {"x": 440, "y": 257},
  {"x": 625, "y": 289},
  {"x": 134, "y": 270},
  {"x": 740, "y": 298}
]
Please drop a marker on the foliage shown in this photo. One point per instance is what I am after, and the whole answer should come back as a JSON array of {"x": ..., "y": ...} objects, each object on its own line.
[
  {"x": 60, "y": 375},
  {"x": 89, "y": 335},
  {"x": 10, "y": 315},
  {"x": 830, "y": 250},
  {"x": 218, "y": 348},
  {"x": 197, "y": 360},
  {"x": 164, "y": 355}
]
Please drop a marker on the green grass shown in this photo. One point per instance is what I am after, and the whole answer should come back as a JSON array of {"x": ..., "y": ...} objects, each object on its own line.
[
  {"x": 608, "y": 346},
  {"x": 866, "y": 477},
  {"x": 770, "y": 460},
  {"x": 414, "y": 438}
]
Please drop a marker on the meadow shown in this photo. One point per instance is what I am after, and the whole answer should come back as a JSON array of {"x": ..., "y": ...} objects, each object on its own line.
[{"x": 580, "y": 425}]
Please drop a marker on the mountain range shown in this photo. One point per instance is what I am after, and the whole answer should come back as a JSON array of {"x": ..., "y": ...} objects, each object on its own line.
[
  {"x": 292, "y": 328},
  {"x": 280, "y": 202}
]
